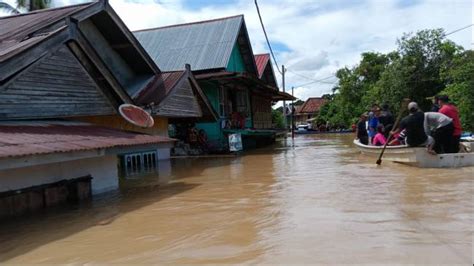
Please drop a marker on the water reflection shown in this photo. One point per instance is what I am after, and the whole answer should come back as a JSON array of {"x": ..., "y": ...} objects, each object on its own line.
[{"x": 317, "y": 201}]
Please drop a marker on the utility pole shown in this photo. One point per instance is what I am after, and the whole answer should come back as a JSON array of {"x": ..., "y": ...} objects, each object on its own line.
[
  {"x": 293, "y": 115},
  {"x": 283, "y": 70}
]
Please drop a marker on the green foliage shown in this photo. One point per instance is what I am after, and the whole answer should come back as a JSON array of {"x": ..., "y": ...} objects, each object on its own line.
[
  {"x": 32, "y": 5},
  {"x": 277, "y": 119},
  {"x": 416, "y": 70},
  {"x": 459, "y": 76}
]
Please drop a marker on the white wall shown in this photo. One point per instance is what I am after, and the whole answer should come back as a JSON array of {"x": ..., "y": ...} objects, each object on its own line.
[
  {"x": 103, "y": 170},
  {"x": 163, "y": 154}
]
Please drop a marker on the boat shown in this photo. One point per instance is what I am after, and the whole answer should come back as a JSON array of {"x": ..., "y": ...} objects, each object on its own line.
[{"x": 419, "y": 156}]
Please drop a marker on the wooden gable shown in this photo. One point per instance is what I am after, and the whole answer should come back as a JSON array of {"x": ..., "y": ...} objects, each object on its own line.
[
  {"x": 55, "y": 86},
  {"x": 181, "y": 102}
]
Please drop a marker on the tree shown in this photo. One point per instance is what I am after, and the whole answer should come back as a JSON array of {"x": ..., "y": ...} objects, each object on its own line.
[
  {"x": 459, "y": 76},
  {"x": 277, "y": 119},
  {"x": 413, "y": 71}
]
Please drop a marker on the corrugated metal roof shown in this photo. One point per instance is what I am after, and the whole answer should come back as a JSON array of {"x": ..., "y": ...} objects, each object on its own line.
[
  {"x": 204, "y": 45},
  {"x": 312, "y": 105},
  {"x": 18, "y": 32},
  {"x": 18, "y": 27},
  {"x": 22, "y": 139},
  {"x": 261, "y": 60}
]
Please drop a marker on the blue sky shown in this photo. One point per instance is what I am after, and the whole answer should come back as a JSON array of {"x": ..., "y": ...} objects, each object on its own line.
[{"x": 312, "y": 38}]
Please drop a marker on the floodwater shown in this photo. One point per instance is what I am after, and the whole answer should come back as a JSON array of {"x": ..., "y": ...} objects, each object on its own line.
[{"x": 317, "y": 202}]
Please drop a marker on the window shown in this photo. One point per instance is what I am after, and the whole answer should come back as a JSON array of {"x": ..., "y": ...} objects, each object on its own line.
[{"x": 135, "y": 164}]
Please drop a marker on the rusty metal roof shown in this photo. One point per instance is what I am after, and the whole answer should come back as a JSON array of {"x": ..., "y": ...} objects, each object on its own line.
[
  {"x": 18, "y": 27},
  {"x": 45, "y": 137},
  {"x": 261, "y": 60},
  {"x": 204, "y": 44},
  {"x": 19, "y": 32},
  {"x": 312, "y": 105}
]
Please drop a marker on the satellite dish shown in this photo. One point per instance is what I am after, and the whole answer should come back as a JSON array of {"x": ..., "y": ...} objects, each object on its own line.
[{"x": 136, "y": 115}]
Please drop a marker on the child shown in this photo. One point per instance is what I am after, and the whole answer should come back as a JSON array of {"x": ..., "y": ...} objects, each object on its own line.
[{"x": 379, "y": 139}]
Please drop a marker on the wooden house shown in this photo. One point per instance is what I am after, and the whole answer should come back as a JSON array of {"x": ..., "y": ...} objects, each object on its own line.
[
  {"x": 63, "y": 74},
  {"x": 309, "y": 110},
  {"x": 222, "y": 61}
]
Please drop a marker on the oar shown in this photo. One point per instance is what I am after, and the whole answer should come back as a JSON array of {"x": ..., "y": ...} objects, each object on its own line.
[{"x": 395, "y": 126}]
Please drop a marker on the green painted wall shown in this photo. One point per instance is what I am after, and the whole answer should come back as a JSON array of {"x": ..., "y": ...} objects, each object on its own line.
[
  {"x": 213, "y": 129},
  {"x": 236, "y": 63},
  {"x": 215, "y": 136}
]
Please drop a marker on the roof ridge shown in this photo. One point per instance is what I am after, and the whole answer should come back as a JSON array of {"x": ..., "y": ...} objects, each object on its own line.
[
  {"x": 189, "y": 23},
  {"x": 48, "y": 9}
]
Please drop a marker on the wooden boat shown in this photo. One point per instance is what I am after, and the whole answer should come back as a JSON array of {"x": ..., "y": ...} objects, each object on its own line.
[{"x": 419, "y": 157}]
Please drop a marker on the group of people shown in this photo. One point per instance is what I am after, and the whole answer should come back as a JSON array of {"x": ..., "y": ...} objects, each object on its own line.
[
  {"x": 440, "y": 129},
  {"x": 373, "y": 127}
]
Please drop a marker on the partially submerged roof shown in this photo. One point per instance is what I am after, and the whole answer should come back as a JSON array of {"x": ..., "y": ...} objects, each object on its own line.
[
  {"x": 43, "y": 137},
  {"x": 312, "y": 105},
  {"x": 205, "y": 45}
]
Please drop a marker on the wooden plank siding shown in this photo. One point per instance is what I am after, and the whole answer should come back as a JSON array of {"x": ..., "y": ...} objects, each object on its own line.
[
  {"x": 181, "y": 102},
  {"x": 261, "y": 112},
  {"x": 56, "y": 86}
]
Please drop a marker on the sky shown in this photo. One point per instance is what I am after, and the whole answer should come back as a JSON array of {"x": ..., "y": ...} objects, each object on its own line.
[{"x": 312, "y": 38}]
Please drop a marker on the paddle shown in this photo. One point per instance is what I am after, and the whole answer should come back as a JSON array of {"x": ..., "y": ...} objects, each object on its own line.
[{"x": 395, "y": 126}]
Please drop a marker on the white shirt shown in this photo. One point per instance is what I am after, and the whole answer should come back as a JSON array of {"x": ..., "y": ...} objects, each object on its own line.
[{"x": 434, "y": 120}]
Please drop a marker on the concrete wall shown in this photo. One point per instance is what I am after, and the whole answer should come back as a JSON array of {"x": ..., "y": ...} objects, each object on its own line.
[{"x": 103, "y": 170}]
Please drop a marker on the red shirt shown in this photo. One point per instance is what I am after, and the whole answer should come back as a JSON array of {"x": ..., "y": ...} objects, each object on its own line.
[{"x": 452, "y": 112}]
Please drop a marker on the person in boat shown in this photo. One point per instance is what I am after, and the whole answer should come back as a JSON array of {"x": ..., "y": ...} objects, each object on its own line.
[
  {"x": 386, "y": 119},
  {"x": 361, "y": 130},
  {"x": 441, "y": 128},
  {"x": 452, "y": 112},
  {"x": 379, "y": 139},
  {"x": 435, "y": 106},
  {"x": 373, "y": 122},
  {"x": 398, "y": 138},
  {"x": 414, "y": 126}
]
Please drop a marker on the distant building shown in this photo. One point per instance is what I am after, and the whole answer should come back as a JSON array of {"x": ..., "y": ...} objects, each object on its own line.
[
  {"x": 240, "y": 86},
  {"x": 309, "y": 110}
]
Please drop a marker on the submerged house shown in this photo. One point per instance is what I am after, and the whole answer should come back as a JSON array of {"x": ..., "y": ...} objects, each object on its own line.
[
  {"x": 222, "y": 60},
  {"x": 63, "y": 74}
]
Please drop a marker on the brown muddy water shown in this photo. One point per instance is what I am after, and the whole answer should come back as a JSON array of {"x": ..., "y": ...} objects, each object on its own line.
[{"x": 318, "y": 202}]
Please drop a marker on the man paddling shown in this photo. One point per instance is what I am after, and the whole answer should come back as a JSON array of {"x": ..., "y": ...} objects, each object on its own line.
[{"x": 414, "y": 127}]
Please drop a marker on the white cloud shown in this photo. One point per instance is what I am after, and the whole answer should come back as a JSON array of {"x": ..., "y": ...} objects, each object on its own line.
[{"x": 322, "y": 35}]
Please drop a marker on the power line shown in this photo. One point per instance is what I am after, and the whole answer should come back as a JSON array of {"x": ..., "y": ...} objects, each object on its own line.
[
  {"x": 309, "y": 83},
  {"x": 460, "y": 29},
  {"x": 315, "y": 80},
  {"x": 266, "y": 37}
]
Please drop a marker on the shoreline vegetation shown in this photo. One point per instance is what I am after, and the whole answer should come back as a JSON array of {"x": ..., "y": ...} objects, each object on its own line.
[{"x": 424, "y": 64}]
